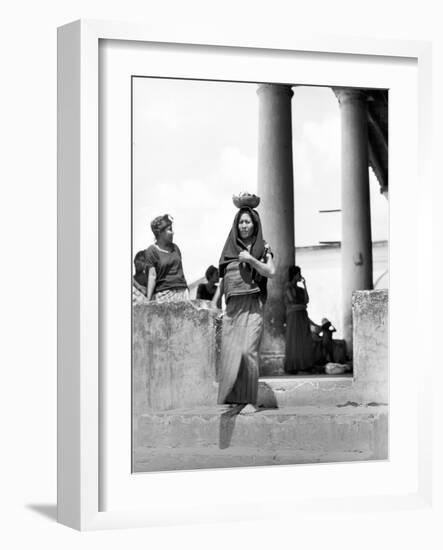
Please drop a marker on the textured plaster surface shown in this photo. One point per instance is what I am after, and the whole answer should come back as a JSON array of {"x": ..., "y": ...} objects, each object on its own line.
[
  {"x": 301, "y": 419},
  {"x": 220, "y": 437},
  {"x": 174, "y": 356}
]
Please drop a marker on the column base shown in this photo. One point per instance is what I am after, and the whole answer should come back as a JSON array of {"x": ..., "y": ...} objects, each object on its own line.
[{"x": 272, "y": 364}]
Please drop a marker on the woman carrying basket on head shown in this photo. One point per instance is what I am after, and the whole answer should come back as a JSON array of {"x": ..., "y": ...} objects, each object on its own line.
[{"x": 245, "y": 265}]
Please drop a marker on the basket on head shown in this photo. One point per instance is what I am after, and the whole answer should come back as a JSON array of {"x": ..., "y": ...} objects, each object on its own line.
[{"x": 246, "y": 199}]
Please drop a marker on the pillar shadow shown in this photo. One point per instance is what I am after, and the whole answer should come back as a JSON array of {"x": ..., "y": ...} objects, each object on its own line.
[
  {"x": 227, "y": 425},
  {"x": 49, "y": 511}
]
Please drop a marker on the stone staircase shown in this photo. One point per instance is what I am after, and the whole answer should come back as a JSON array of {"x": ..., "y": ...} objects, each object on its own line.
[
  {"x": 302, "y": 419},
  {"x": 220, "y": 437},
  {"x": 295, "y": 391}
]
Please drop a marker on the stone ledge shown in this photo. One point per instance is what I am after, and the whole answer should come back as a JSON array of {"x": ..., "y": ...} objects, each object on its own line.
[
  {"x": 322, "y": 430},
  {"x": 344, "y": 409},
  {"x": 163, "y": 460},
  {"x": 216, "y": 437},
  {"x": 174, "y": 355},
  {"x": 291, "y": 391}
]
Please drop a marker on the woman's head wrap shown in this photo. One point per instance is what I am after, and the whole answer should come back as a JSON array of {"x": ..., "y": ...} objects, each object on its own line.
[
  {"x": 160, "y": 223},
  {"x": 234, "y": 245}
]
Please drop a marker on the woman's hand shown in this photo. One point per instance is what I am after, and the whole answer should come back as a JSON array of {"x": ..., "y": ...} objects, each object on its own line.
[
  {"x": 244, "y": 256},
  {"x": 305, "y": 289}
]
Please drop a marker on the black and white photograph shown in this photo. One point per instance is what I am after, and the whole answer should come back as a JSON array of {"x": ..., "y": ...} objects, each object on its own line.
[
  {"x": 231, "y": 215},
  {"x": 259, "y": 276}
]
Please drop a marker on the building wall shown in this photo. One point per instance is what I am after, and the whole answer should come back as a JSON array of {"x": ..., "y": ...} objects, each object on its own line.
[
  {"x": 321, "y": 266},
  {"x": 174, "y": 356},
  {"x": 176, "y": 350}
]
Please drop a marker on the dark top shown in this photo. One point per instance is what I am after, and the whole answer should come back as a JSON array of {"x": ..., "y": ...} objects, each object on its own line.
[
  {"x": 141, "y": 278},
  {"x": 203, "y": 293},
  {"x": 327, "y": 332},
  {"x": 295, "y": 294},
  {"x": 168, "y": 268}
]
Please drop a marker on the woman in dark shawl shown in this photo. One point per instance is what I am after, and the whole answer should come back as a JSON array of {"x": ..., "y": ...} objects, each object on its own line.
[
  {"x": 245, "y": 265},
  {"x": 298, "y": 332}
]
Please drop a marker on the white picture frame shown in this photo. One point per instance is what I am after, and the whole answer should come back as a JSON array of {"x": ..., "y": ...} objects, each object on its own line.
[{"x": 79, "y": 363}]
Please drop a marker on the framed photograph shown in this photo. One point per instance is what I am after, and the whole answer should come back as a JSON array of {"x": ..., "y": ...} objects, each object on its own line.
[{"x": 239, "y": 271}]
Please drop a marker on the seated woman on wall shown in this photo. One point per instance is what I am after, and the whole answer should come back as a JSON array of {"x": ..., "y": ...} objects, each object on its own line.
[
  {"x": 140, "y": 279},
  {"x": 298, "y": 331},
  {"x": 245, "y": 264},
  {"x": 165, "y": 279}
]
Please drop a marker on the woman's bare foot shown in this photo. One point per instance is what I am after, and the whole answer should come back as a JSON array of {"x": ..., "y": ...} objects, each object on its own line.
[{"x": 248, "y": 409}]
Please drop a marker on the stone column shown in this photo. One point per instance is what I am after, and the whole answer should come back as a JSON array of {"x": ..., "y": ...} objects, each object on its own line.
[
  {"x": 275, "y": 187},
  {"x": 356, "y": 241}
]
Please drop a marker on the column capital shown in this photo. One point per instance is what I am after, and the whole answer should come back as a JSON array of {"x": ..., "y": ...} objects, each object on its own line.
[
  {"x": 350, "y": 95},
  {"x": 280, "y": 89}
]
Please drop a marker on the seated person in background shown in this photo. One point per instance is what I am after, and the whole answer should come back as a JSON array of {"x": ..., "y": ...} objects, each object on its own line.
[
  {"x": 140, "y": 279},
  {"x": 326, "y": 333},
  {"x": 206, "y": 291},
  {"x": 317, "y": 344}
]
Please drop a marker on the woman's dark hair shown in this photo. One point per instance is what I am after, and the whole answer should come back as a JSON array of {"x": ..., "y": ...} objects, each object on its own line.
[
  {"x": 210, "y": 271},
  {"x": 293, "y": 271},
  {"x": 160, "y": 223},
  {"x": 140, "y": 257},
  {"x": 140, "y": 261}
]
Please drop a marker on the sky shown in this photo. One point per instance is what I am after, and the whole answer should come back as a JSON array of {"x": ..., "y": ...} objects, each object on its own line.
[{"x": 195, "y": 145}]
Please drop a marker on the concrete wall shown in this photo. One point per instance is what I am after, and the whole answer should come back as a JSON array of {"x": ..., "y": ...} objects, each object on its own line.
[
  {"x": 174, "y": 356},
  {"x": 370, "y": 314},
  {"x": 177, "y": 424},
  {"x": 175, "y": 360}
]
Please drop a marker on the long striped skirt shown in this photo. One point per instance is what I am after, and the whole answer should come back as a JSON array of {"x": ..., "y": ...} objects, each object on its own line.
[{"x": 241, "y": 335}]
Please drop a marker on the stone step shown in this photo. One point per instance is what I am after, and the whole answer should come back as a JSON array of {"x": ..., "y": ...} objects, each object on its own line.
[
  {"x": 297, "y": 391},
  {"x": 212, "y": 437},
  {"x": 189, "y": 458}
]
